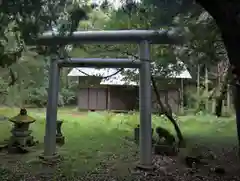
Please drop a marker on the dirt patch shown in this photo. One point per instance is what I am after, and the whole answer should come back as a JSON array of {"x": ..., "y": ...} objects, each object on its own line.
[
  {"x": 15, "y": 168},
  {"x": 78, "y": 114}
]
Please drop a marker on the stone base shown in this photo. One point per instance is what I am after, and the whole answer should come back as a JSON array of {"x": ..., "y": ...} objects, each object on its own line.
[
  {"x": 145, "y": 167},
  {"x": 53, "y": 159},
  {"x": 27, "y": 141},
  {"x": 165, "y": 150},
  {"x": 182, "y": 144},
  {"x": 4, "y": 145},
  {"x": 60, "y": 140},
  {"x": 17, "y": 149},
  {"x": 20, "y": 144},
  {"x": 31, "y": 142}
]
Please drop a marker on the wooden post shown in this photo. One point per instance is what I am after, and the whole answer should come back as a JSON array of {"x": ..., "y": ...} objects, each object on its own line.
[
  {"x": 108, "y": 98},
  {"x": 224, "y": 106},
  {"x": 182, "y": 97}
]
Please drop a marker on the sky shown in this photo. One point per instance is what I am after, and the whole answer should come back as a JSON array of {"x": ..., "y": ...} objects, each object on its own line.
[{"x": 116, "y": 3}]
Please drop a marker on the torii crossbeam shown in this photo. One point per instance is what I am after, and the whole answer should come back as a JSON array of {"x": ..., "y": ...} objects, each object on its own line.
[{"x": 142, "y": 37}]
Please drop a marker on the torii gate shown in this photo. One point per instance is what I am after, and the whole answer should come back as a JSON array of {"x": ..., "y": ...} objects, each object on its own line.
[{"x": 142, "y": 37}]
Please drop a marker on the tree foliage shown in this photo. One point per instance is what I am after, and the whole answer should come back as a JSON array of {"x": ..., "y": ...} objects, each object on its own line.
[{"x": 23, "y": 21}]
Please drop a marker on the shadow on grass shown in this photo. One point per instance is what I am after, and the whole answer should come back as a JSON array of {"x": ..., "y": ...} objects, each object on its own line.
[
  {"x": 211, "y": 141},
  {"x": 96, "y": 151}
]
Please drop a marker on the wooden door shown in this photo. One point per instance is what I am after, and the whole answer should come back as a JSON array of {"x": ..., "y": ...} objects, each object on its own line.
[
  {"x": 92, "y": 98},
  {"x": 83, "y": 99},
  {"x": 97, "y": 99},
  {"x": 101, "y": 99}
]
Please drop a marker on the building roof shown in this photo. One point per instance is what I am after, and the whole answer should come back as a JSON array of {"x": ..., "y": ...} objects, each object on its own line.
[{"x": 119, "y": 78}]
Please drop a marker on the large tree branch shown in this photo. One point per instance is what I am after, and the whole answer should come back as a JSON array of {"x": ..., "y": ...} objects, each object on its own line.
[
  {"x": 13, "y": 77},
  {"x": 223, "y": 92},
  {"x": 166, "y": 112}
]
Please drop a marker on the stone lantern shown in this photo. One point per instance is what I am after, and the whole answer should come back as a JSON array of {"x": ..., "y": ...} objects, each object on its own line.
[{"x": 21, "y": 137}]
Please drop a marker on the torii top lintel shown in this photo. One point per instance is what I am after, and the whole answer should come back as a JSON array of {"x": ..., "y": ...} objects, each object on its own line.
[{"x": 170, "y": 36}]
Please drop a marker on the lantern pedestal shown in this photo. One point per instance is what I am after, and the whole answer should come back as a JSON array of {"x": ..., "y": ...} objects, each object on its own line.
[{"x": 60, "y": 139}]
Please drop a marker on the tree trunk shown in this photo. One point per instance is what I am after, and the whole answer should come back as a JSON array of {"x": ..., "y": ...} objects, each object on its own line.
[
  {"x": 226, "y": 14},
  {"x": 218, "y": 86},
  {"x": 236, "y": 93},
  {"x": 222, "y": 96},
  {"x": 167, "y": 113},
  {"x": 206, "y": 88},
  {"x": 198, "y": 80},
  {"x": 213, "y": 106},
  {"x": 228, "y": 99},
  {"x": 182, "y": 97},
  {"x": 65, "y": 77}
]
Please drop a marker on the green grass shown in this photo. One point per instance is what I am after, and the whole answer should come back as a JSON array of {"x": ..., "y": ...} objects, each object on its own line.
[{"x": 96, "y": 140}]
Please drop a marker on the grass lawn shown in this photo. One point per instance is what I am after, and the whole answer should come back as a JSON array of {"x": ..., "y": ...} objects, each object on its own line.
[{"x": 95, "y": 142}]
